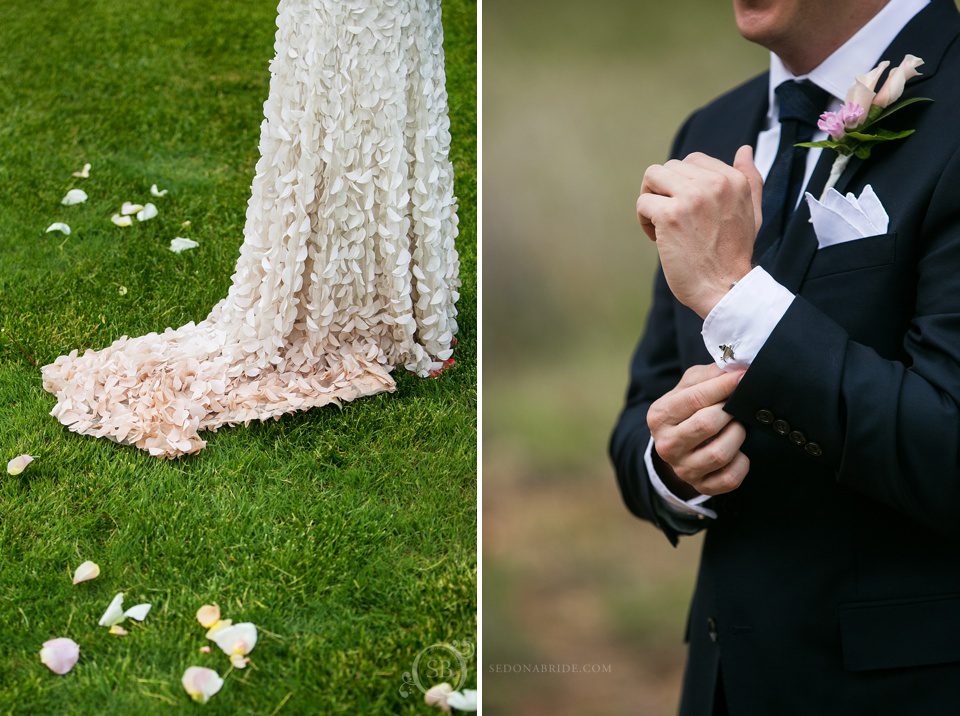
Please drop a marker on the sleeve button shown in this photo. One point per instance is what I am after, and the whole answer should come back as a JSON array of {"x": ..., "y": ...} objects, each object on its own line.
[
  {"x": 813, "y": 449},
  {"x": 781, "y": 427},
  {"x": 764, "y": 416},
  {"x": 798, "y": 438}
]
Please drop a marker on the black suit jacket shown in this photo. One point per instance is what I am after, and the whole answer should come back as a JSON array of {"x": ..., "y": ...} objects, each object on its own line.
[{"x": 830, "y": 582}]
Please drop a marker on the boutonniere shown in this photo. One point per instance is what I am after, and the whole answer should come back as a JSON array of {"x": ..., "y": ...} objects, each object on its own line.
[{"x": 853, "y": 128}]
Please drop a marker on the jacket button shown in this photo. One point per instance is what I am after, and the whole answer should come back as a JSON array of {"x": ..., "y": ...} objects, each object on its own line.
[
  {"x": 764, "y": 416},
  {"x": 798, "y": 438},
  {"x": 712, "y": 629},
  {"x": 781, "y": 427},
  {"x": 813, "y": 449}
]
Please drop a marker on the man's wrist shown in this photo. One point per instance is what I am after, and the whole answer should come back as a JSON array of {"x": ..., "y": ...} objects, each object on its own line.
[{"x": 717, "y": 292}]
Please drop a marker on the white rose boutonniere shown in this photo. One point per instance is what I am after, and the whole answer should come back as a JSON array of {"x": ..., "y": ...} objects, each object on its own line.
[{"x": 853, "y": 129}]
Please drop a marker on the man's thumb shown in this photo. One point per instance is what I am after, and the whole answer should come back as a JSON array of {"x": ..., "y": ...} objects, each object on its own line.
[{"x": 743, "y": 162}]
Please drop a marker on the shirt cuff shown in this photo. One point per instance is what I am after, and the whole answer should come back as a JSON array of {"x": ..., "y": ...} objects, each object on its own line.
[
  {"x": 738, "y": 326},
  {"x": 691, "y": 507}
]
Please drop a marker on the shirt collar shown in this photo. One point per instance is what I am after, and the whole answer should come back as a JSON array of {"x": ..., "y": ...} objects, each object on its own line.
[{"x": 856, "y": 56}]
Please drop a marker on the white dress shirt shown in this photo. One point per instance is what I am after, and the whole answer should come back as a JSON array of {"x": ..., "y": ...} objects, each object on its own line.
[{"x": 746, "y": 316}]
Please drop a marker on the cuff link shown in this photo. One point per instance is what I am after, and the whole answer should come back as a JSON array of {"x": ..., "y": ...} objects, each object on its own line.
[{"x": 727, "y": 352}]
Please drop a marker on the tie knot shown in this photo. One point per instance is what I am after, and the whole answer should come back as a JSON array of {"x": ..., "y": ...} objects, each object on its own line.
[{"x": 801, "y": 101}]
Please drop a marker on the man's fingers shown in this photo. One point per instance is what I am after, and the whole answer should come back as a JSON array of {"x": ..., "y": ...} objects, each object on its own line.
[
  {"x": 651, "y": 210},
  {"x": 713, "y": 455},
  {"x": 726, "y": 479},
  {"x": 743, "y": 163},
  {"x": 689, "y": 400},
  {"x": 699, "y": 373},
  {"x": 663, "y": 180},
  {"x": 682, "y": 440}
]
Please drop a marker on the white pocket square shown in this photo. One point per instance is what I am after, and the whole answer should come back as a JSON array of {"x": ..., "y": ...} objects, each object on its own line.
[{"x": 837, "y": 218}]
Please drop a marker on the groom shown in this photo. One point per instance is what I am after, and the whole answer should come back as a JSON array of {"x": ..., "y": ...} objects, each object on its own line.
[{"x": 802, "y": 404}]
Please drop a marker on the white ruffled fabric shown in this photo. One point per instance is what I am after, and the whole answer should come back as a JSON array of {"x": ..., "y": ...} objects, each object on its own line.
[{"x": 348, "y": 265}]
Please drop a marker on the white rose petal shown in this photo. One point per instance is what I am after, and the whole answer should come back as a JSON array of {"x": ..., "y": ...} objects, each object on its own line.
[
  {"x": 74, "y": 196},
  {"x": 58, "y": 226},
  {"x": 86, "y": 571},
  {"x": 201, "y": 683},
  {"x": 157, "y": 192},
  {"x": 114, "y": 613},
  {"x": 60, "y": 655},
  {"x": 181, "y": 244},
  {"x": 236, "y": 641},
  {"x": 138, "y": 612},
  {"x": 465, "y": 700},
  {"x": 83, "y": 173},
  {"x": 18, "y": 464},
  {"x": 118, "y": 630},
  {"x": 147, "y": 212},
  {"x": 121, "y": 220},
  {"x": 130, "y": 208}
]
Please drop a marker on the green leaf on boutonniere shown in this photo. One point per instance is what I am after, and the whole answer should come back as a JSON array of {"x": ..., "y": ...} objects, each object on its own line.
[
  {"x": 881, "y": 135},
  {"x": 822, "y": 144},
  {"x": 884, "y": 113}
]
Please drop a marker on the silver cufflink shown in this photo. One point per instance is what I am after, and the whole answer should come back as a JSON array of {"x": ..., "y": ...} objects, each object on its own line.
[{"x": 727, "y": 353}]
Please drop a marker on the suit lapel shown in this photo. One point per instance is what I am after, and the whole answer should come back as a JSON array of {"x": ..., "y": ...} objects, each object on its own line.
[{"x": 927, "y": 35}]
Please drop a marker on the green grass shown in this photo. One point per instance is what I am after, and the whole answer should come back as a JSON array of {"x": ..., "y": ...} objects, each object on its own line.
[{"x": 348, "y": 537}]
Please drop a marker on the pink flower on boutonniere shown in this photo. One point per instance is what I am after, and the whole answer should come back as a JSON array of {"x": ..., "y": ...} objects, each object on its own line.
[
  {"x": 852, "y": 130},
  {"x": 836, "y": 124}
]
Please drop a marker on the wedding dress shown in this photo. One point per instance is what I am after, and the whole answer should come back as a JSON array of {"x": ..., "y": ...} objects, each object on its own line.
[{"x": 348, "y": 265}]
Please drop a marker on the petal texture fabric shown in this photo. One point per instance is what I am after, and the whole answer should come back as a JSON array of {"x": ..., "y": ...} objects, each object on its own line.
[{"x": 348, "y": 266}]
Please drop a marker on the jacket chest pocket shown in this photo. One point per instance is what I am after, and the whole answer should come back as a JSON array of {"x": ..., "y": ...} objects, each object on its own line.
[{"x": 869, "y": 252}]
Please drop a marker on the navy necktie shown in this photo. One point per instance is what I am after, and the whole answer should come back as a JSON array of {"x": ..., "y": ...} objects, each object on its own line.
[{"x": 800, "y": 105}]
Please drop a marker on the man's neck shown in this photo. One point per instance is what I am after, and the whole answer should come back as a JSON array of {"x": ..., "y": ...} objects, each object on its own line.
[{"x": 802, "y": 52}]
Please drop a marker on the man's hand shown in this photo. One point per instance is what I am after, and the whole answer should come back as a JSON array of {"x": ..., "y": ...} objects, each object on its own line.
[
  {"x": 704, "y": 216},
  {"x": 694, "y": 438}
]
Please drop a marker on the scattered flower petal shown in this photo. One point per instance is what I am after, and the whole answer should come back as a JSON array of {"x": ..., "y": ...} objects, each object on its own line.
[
  {"x": 201, "y": 683},
  {"x": 180, "y": 244},
  {"x": 130, "y": 208},
  {"x": 86, "y": 571},
  {"x": 147, "y": 212},
  {"x": 157, "y": 192},
  {"x": 74, "y": 196},
  {"x": 222, "y": 624},
  {"x": 465, "y": 700},
  {"x": 208, "y": 615},
  {"x": 138, "y": 612},
  {"x": 18, "y": 464},
  {"x": 121, "y": 220},
  {"x": 236, "y": 641},
  {"x": 437, "y": 696},
  {"x": 204, "y": 649},
  {"x": 186, "y": 224},
  {"x": 114, "y": 613},
  {"x": 60, "y": 655},
  {"x": 58, "y": 226},
  {"x": 118, "y": 630},
  {"x": 122, "y": 290},
  {"x": 83, "y": 173}
]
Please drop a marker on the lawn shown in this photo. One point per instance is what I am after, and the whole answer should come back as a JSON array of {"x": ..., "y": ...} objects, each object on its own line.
[{"x": 348, "y": 536}]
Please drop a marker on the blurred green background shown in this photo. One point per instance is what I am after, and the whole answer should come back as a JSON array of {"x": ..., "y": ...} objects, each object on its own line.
[{"x": 578, "y": 99}]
